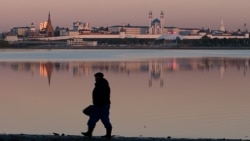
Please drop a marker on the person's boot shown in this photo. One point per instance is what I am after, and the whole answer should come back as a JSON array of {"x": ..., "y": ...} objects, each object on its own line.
[
  {"x": 108, "y": 133},
  {"x": 89, "y": 132}
]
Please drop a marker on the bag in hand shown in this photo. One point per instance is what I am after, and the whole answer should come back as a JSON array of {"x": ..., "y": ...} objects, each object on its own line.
[{"x": 87, "y": 111}]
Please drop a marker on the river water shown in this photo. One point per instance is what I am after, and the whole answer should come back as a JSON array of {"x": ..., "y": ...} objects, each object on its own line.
[{"x": 154, "y": 93}]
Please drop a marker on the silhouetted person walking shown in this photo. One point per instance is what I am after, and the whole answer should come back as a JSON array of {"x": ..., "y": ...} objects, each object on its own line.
[{"x": 100, "y": 110}]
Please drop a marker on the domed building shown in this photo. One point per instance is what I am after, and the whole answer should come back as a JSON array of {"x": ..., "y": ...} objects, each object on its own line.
[{"x": 156, "y": 26}]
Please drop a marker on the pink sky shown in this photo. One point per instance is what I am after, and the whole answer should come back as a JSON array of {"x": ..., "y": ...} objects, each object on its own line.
[{"x": 179, "y": 13}]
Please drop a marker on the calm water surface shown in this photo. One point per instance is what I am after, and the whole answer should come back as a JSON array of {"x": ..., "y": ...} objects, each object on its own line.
[{"x": 157, "y": 93}]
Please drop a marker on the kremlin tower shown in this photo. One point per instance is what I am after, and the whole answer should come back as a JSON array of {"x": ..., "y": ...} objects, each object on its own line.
[{"x": 49, "y": 31}]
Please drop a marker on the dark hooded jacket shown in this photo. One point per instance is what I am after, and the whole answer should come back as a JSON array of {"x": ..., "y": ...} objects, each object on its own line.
[{"x": 101, "y": 92}]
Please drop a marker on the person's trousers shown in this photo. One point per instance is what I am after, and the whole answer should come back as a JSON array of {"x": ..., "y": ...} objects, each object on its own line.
[{"x": 100, "y": 113}]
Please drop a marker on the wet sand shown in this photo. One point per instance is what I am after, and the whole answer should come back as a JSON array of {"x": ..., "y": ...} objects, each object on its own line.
[{"x": 57, "y": 137}]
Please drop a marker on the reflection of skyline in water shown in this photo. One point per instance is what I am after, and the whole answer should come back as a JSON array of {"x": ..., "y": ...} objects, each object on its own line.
[
  {"x": 178, "y": 97},
  {"x": 155, "y": 68}
]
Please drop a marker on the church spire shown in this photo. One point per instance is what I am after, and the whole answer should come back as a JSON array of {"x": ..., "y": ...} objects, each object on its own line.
[{"x": 49, "y": 17}]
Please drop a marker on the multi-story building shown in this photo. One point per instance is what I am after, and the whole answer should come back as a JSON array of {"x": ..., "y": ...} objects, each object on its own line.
[
  {"x": 42, "y": 26},
  {"x": 78, "y": 26},
  {"x": 20, "y": 31},
  {"x": 64, "y": 32},
  {"x": 32, "y": 32},
  {"x": 11, "y": 37},
  {"x": 131, "y": 30}
]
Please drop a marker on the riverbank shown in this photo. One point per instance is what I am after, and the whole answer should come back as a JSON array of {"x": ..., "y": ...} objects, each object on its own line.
[
  {"x": 131, "y": 47},
  {"x": 56, "y": 137}
]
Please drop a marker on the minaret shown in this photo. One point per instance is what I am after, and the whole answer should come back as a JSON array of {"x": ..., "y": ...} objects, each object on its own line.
[
  {"x": 245, "y": 27},
  {"x": 150, "y": 16},
  {"x": 162, "y": 22},
  {"x": 49, "y": 28},
  {"x": 222, "y": 27}
]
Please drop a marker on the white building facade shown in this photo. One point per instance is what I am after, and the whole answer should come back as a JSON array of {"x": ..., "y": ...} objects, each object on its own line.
[
  {"x": 20, "y": 31},
  {"x": 77, "y": 26}
]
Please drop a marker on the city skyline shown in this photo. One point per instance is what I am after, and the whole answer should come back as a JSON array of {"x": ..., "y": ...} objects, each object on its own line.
[{"x": 178, "y": 13}]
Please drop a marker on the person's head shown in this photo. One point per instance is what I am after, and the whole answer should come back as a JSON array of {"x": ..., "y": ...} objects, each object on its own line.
[{"x": 98, "y": 76}]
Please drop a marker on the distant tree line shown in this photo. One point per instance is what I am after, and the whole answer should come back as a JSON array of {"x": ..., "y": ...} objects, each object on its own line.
[
  {"x": 125, "y": 41},
  {"x": 207, "y": 42},
  {"x": 4, "y": 43},
  {"x": 204, "y": 42}
]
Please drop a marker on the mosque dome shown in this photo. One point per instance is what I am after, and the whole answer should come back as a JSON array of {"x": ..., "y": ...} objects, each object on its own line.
[{"x": 156, "y": 21}]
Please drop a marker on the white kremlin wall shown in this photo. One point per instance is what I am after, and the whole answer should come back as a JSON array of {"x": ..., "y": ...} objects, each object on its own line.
[
  {"x": 229, "y": 36},
  {"x": 122, "y": 35},
  {"x": 142, "y": 36},
  {"x": 103, "y": 36}
]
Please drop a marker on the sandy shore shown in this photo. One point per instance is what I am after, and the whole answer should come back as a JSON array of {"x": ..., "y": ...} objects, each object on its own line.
[{"x": 25, "y": 137}]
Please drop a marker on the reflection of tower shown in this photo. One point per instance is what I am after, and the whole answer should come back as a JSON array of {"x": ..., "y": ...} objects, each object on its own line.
[
  {"x": 222, "y": 71},
  {"x": 155, "y": 72},
  {"x": 246, "y": 65},
  {"x": 49, "y": 28},
  {"x": 46, "y": 70}
]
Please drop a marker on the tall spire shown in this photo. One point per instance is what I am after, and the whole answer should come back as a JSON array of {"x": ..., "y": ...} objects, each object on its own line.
[
  {"x": 162, "y": 22},
  {"x": 222, "y": 27},
  {"x": 49, "y": 17},
  {"x": 150, "y": 16},
  {"x": 49, "y": 28},
  {"x": 162, "y": 14}
]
